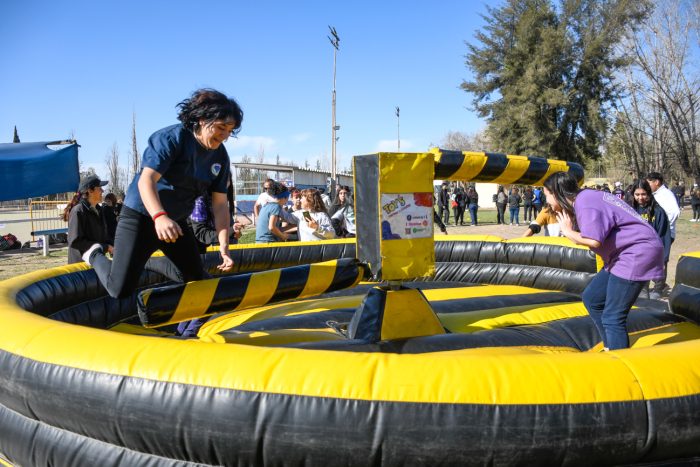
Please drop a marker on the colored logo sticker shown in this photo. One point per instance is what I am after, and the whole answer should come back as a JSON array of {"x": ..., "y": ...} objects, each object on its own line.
[{"x": 215, "y": 169}]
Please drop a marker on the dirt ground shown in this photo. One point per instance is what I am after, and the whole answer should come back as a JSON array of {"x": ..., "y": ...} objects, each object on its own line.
[{"x": 17, "y": 262}]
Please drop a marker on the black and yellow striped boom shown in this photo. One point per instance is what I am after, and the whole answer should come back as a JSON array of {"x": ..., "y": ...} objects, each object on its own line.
[{"x": 175, "y": 303}]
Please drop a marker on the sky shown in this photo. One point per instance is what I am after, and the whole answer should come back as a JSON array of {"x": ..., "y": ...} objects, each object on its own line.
[{"x": 84, "y": 68}]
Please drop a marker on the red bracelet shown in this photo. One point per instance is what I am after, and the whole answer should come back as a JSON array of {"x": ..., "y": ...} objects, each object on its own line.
[{"x": 158, "y": 214}]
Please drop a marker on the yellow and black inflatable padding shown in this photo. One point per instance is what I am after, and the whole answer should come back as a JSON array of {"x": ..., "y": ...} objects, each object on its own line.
[
  {"x": 182, "y": 302},
  {"x": 685, "y": 295},
  {"x": 79, "y": 395},
  {"x": 499, "y": 168},
  {"x": 387, "y": 314},
  {"x": 474, "y": 316}
]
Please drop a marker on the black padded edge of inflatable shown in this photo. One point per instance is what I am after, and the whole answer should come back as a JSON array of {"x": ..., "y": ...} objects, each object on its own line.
[
  {"x": 531, "y": 254},
  {"x": 688, "y": 271},
  {"x": 502, "y": 274},
  {"x": 684, "y": 301},
  {"x": 24, "y": 441},
  {"x": 190, "y": 422}
]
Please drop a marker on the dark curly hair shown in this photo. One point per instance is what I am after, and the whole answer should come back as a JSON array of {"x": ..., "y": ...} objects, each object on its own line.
[
  {"x": 209, "y": 105},
  {"x": 277, "y": 189}
]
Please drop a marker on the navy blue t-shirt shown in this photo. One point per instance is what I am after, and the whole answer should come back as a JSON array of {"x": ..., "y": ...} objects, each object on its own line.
[{"x": 188, "y": 170}]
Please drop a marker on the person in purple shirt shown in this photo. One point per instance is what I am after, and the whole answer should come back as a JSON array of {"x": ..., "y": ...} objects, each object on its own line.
[{"x": 630, "y": 247}]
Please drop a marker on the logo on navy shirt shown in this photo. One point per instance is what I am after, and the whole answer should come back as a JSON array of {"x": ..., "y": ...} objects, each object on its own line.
[{"x": 215, "y": 169}]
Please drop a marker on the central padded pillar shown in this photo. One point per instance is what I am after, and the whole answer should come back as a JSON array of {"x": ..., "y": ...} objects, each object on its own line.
[{"x": 394, "y": 314}]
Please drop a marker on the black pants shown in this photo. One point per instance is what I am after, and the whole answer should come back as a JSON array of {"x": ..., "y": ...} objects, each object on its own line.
[
  {"x": 134, "y": 243},
  {"x": 445, "y": 214},
  {"x": 501, "y": 213},
  {"x": 529, "y": 212},
  {"x": 459, "y": 215}
]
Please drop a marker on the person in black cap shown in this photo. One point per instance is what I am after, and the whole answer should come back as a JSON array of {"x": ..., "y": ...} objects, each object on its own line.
[{"x": 84, "y": 216}]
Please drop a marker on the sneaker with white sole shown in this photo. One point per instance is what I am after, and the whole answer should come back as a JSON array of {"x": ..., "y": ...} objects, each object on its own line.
[{"x": 87, "y": 256}]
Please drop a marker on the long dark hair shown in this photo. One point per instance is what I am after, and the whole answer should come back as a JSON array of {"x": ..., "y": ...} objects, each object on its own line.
[
  {"x": 69, "y": 207},
  {"x": 565, "y": 188},
  {"x": 644, "y": 185},
  {"x": 209, "y": 105}
]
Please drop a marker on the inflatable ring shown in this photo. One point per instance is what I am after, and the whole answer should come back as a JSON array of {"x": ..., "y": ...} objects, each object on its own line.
[{"x": 481, "y": 388}]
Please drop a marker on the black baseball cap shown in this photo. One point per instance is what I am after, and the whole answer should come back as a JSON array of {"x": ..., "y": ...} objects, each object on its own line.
[{"x": 91, "y": 181}]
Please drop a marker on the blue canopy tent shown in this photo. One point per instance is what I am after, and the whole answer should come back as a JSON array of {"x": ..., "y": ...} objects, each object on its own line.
[{"x": 28, "y": 170}]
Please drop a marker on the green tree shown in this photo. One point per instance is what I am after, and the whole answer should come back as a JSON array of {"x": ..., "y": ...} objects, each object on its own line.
[{"x": 544, "y": 76}]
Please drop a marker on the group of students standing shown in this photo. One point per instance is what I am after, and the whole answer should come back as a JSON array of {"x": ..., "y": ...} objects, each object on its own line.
[
  {"x": 531, "y": 199},
  {"x": 311, "y": 216},
  {"x": 459, "y": 200}
]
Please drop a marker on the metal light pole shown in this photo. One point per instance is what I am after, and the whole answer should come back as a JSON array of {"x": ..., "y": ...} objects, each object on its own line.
[
  {"x": 398, "y": 128},
  {"x": 335, "y": 41}
]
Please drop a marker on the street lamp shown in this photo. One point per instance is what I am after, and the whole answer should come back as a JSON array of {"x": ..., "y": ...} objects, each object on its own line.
[
  {"x": 398, "y": 128},
  {"x": 335, "y": 42}
]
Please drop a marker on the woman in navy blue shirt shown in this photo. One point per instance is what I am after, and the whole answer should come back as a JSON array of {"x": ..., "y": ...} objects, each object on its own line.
[{"x": 180, "y": 163}]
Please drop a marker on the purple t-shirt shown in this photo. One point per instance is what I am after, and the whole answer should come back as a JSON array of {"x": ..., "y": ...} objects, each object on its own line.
[{"x": 630, "y": 247}]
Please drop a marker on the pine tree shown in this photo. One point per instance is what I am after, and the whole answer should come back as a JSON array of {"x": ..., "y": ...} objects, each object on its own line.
[{"x": 544, "y": 76}]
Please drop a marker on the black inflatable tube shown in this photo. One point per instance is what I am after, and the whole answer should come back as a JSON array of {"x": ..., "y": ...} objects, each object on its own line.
[
  {"x": 205, "y": 423},
  {"x": 170, "y": 424}
]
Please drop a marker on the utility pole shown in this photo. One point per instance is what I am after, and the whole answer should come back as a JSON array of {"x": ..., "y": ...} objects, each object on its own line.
[
  {"x": 335, "y": 42},
  {"x": 398, "y": 128}
]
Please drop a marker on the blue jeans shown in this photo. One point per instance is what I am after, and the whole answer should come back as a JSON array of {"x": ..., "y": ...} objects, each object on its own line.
[
  {"x": 472, "y": 213},
  {"x": 608, "y": 299},
  {"x": 514, "y": 215}
]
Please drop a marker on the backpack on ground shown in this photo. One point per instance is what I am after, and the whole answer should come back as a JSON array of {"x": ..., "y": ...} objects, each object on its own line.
[{"x": 9, "y": 242}]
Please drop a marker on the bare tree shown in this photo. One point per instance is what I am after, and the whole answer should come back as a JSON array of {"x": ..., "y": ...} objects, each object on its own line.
[
  {"x": 247, "y": 177},
  {"x": 114, "y": 173},
  {"x": 260, "y": 158},
  {"x": 669, "y": 85},
  {"x": 460, "y": 141},
  {"x": 135, "y": 165}
]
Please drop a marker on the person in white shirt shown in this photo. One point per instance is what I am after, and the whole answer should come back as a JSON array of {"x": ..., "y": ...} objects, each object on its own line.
[
  {"x": 264, "y": 197},
  {"x": 312, "y": 219},
  {"x": 326, "y": 199},
  {"x": 668, "y": 202}
]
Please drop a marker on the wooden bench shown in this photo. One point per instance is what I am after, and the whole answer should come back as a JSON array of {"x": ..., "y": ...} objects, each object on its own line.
[{"x": 44, "y": 234}]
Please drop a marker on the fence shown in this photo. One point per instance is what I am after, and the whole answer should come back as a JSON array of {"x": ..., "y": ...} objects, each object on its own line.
[{"x": 47, "y": 215}]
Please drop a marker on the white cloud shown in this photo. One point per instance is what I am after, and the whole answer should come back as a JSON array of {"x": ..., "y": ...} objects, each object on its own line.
[
  {"x": 389, "y": 145},
  {"x": 301, "y": 137},
  {"x": 252, "y": 144}
]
